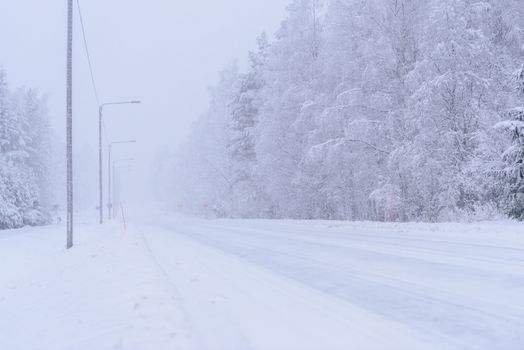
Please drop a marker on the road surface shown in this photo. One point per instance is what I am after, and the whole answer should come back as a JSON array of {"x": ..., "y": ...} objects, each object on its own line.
[
  {"x": 450, "y": 290},
  {"x": 172, "y": 282}
]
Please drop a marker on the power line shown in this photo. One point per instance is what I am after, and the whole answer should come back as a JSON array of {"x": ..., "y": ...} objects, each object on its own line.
[{"x": 87, "y": 52}]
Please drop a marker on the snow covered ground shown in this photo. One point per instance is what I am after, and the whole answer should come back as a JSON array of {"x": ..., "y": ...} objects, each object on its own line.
[{"x": 172, "y": 282}]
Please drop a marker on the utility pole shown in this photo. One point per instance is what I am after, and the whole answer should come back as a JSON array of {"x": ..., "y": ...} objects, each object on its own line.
[
  {"x": 114, "y": 189},
  {"x": 110, "y": 203},
  {"x": 69, "y": 124},
  {"x": 100, "y": 155},
  {"x": 109, "y": 180},
  {"x": 101, "y": 203},
  {"x": 113, "y": 195}
]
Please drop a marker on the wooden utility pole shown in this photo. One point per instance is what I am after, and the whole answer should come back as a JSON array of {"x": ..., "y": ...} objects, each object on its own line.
[{"x": 69, "y": 124}]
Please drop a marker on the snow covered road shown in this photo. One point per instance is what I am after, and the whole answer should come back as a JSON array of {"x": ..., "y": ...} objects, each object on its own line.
[
  {"x": 453, "y": 286},
  {"x": 237, "y": 305},
  {"x": 172, "y": 282}
]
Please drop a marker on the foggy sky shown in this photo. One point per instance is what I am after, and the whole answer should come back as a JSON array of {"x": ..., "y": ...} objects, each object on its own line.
[{"x": 163, "y": 52}]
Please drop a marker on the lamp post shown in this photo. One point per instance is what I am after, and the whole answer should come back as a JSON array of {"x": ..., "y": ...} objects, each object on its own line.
[
  {"x": 100, "y": 180},
  {"x": 109, "y": 178}
]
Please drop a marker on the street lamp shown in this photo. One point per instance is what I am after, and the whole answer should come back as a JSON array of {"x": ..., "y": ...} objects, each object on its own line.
[
  {"x": 100, "y": 117},
  {"x": 109, "y": 179}
]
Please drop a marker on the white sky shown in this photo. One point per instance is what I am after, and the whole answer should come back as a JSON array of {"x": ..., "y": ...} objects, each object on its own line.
[{"x": 163, "y": 52}]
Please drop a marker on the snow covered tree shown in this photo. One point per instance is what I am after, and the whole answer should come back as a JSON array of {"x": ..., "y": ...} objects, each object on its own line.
[
  {"x": 512, "y": 174},
  {"x": 379, "y": 109},
  {"x": 23, "y": 168},
  {"x": 244, "y": 113},
  {"x": 202, "y": 173},
  {"x": 293, "y": 73},
  {"x": 455, "y": 98}
]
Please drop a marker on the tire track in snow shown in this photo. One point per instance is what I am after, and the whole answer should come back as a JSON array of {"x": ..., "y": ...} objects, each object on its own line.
[
  {"x": 244, "y": 343},
  {"x": 449, "y": 304},
  {"x": 251, "y": 290}
]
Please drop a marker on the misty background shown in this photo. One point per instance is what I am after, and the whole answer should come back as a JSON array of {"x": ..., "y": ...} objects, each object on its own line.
[
  {"x": 352, "y": 110},
  {"x": 164, "y": 53}
]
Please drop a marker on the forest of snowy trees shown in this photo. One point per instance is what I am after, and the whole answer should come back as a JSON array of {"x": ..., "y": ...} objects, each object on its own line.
[
  {"x": 26, "y": 155},
  {"x": 391, "y": 110}
]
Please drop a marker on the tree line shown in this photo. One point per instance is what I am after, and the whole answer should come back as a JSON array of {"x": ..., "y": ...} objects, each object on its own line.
[{"x": 390, "y": 110}]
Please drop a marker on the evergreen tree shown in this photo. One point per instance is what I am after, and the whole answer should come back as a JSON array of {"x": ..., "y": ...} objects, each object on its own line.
[{"x": 512, "y": 174}]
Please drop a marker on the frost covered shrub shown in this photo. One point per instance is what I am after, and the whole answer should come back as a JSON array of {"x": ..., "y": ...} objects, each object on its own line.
[
  {"x": 36, "y": 217},
  {"x": 9, "y": 217}
]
